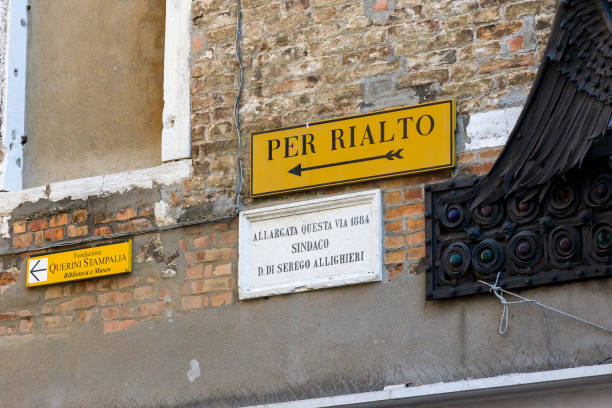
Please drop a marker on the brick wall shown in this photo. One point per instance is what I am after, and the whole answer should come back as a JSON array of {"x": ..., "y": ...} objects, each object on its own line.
[
  {"x": 305, "y": 60},
  {"x": 196, "y": 271},
  {"x": 308, "y": 60}
]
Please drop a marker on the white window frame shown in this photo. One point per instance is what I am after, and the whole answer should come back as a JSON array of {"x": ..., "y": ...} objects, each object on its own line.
[{"x": 176, "y": 116}]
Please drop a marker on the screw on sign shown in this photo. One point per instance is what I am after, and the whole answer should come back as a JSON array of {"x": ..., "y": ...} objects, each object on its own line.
[{"x": 37, "y": 270}]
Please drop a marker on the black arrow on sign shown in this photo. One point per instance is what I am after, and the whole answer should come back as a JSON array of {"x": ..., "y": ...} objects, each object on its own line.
[
  {"x": 36, "y": 270},
  {"x": 390, "y": 155}
]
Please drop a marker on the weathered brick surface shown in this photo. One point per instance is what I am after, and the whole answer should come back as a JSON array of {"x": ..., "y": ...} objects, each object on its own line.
[{"x": 305, "y": 60}]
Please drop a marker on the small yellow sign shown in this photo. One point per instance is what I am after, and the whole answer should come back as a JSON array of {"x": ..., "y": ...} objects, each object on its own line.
[
  {"x": 78, "y": 264},
  {"x": 380, "y": 144}
]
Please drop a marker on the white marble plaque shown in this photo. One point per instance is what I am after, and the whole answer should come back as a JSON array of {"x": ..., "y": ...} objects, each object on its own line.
[{"x": 310, "y": 245}]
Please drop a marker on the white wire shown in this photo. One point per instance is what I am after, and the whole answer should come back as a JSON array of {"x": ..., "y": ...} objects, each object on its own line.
[{"x": 503, "y": 323}]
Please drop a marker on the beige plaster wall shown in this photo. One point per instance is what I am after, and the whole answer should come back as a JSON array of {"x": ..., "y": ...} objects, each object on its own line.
[{"x": 94, "y": 89}]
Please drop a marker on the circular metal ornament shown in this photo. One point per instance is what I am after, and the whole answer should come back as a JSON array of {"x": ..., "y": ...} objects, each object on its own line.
[
  {"x": 562, "y": 198},
  {"x": 564, "y": 247},
  {"x": 522, "y": 210},
  {"x": 598, "y": 190},
  {"x": 456, "y": 260},
  {"x": 452, "y": 216},
  {"x": 524, "y": 252},
  {"x": 599, "y": 242},
  {"x": 488, "y": 215},
  {"x": 487, "y": 257}
]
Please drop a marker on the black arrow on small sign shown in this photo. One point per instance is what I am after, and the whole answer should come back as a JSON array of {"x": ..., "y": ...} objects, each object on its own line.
[
  {"x": 390, "y": 155},
  {"x": 36, "y": 270}
]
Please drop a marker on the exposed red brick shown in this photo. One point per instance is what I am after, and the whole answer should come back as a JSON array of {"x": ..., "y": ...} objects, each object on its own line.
[
  {"x": 194, "y": 272},
  {"x": 52, "y": 322},
  {"x": 222, "y": 226},
  {"x": 53, "y": 292},
  {"x": 103, "y": 218},
  {"x": 113, "y": 298},
  {"x": 395, "y": 241},
  {"x": 23, "y": 240},
  {"x": 104, "y": 230},
  {"x": 107, "y": 284},
  {"x": 79, "y": 216},
  {"x": 224, "y": 298},
  {"x": 77, "y": 230},
  {"x": 228, "y": 237},
  {"x": 189, "y": 258},
  {"x": 183, "y": 245},
  {"x": 394, "y": 271},
  {"x": 413, "y": 194},
  {"x": 380, "y": 5},
  {"x": 151, "y": 309},
  {"x": 38, "y": 224},
  {"x": 208, "y": 271},
  {"x": 134, "y": 225},
  {"x": 145, "y": 212},
  {"x": 126, "y": 214},
  {"x": 490, "y": 153},
  {"x": 25, "y": 313},
  {"x": 58, "y": 220},
  {"x": 292, "y": 85},
  {"x": 203, "y": 242},
  {"x": 54, "y": 234},
  {"x": 143, "y": 292},
  {"x": 84, "y": 286},
  {"x": 39, "y": 237},
  {"x": 210, "y": 285},
  {"x": 198, "y": 42},
  {"x": 7, "y": 278},
  {"x": 19, "y": 227},
  {"x": 191, "y": 302},
  {"x": 415, "y": 223},
  {"x": 223, "y": 270},
  {"x": 25, "y": 325},
  {"x": 46, "y": 309},
  {"x": 495, "y": 31},
  {"x": 117, "y": 325},
  {"x": 394, "y": 226},
  {"x": 416, "y": 238},
  {"x": 480, "y": 168},
  {"x": 427, "y": 177},
  {"x": 174, "y": 199},
  {"x": 405, "y": 210},
  {"x": 395, "y": 256},
  {"x": 200, "y": 256},
  {"x": 7, "y": 316},
  {"x": 84, "y": 316},
  {"x": 127, "y": 281},
  {"x": 515, "y": 44},
  {"x": 82, "y": 302},
  {"x": 393, "y": 197},
  {"x": 187, "y": 186},
  {"x": 416, "y": 253}
]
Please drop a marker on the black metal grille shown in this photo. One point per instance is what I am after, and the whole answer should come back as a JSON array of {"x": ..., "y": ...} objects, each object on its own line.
[{"x": 558, "y": 232}]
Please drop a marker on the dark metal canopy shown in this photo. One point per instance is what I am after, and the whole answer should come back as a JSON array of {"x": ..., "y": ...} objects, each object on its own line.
[{"x": 543, "y": 214}]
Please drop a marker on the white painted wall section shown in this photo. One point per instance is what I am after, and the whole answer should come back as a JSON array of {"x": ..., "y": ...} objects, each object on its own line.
[
  {"x": 491, "y": 129},
  {"x": 177, "y": 110},
  {"x": 14, "y": 112}
]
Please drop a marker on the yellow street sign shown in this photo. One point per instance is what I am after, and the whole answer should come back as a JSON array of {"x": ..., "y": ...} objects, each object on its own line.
[
  {"x": 380, "y": 144},
  {"x": 78, "y": 264}
]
